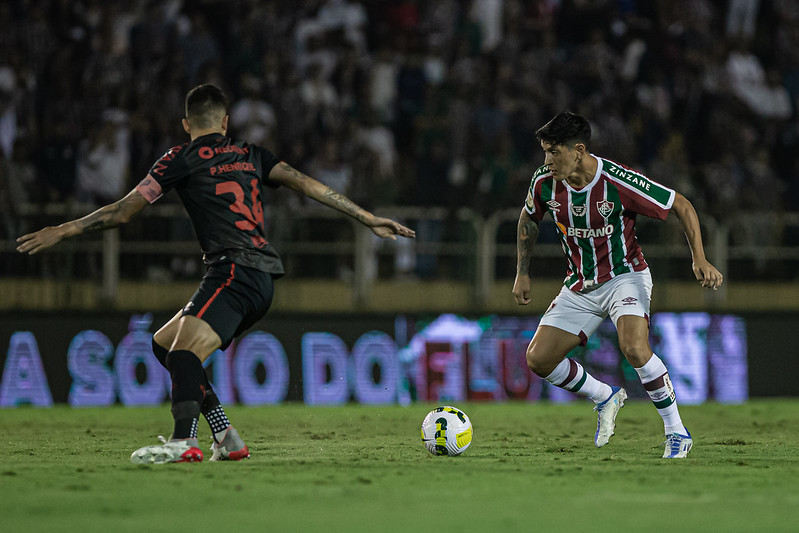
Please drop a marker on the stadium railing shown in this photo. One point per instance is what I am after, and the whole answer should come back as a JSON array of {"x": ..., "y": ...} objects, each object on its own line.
[{"x": 459, "y": 246}]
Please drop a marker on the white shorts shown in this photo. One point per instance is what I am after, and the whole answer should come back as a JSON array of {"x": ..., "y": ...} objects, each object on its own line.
[{"x": 582, "y": 313}]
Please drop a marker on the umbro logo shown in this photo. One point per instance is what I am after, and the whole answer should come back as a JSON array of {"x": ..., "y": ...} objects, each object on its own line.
[
  {"x": 630, "y": 300},
  {"x": 553, "y": 204}
]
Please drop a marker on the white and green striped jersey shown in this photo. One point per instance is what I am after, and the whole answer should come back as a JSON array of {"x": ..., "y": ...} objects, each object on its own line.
[{"x": 596, "y": 224}]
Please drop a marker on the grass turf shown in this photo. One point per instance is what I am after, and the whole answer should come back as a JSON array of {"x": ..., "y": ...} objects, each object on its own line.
[{"x": 531, "y": 467}]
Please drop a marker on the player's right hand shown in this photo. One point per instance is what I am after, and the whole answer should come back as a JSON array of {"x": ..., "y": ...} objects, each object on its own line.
[
  {"x": 521, "y": 289},
  {"x": 707, "y": 275},
  {"x": 386, "y": 228},
  {"x": 37, "y": 241}
]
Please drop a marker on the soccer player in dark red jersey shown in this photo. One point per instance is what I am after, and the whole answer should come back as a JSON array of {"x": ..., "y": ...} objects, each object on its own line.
[
  {"x": 221, "y": 182},
  {"x": 594, "y": 203}
]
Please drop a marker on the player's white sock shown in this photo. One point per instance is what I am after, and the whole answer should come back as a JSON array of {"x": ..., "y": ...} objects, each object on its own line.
[
  {"x": 571, "y": 375},
  {"x": 657, "y": 384}
]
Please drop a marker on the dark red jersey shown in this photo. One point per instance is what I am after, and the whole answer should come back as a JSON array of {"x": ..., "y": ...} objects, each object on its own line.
[
  {"x": 220, "y": 182},
  {"x": 596, "y": 224}
]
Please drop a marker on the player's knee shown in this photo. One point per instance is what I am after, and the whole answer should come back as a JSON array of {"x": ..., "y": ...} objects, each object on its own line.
[
  {"x": 196, "y": 336},
  {"x": 636, "y": 352},
  {"x": 201, "y": 347},
  {"x": 535, "y": 362}
]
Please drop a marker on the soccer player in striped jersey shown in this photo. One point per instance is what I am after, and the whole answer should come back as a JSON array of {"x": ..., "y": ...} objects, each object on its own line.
[{"x": 594, "y": 203}]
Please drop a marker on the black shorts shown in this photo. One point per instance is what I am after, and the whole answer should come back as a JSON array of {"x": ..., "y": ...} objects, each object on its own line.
[{"x": 231, "y": 298}]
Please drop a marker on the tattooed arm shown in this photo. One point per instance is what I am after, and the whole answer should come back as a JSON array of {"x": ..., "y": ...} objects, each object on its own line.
[
  {"x": 109, "y": 216},
  {"x": 526, "y": 235},
  {"x": 285, "y": 174}
]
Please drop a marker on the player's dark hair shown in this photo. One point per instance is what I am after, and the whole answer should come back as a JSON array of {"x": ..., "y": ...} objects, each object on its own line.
[
  {"x": 565, "y": 129},
  {"x": 205, "y": 106}
]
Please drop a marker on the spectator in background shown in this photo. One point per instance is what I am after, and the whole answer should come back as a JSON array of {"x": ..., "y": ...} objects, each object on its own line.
[
  {"x": 742, "y": 19},
  {"x": 320, "y": 101},
  {"x": 330, "y": 168},
  {"x": 647, "y": 70},
  {"x": 8, "y": 111},
  {"x": 775, "y": 103},
  {"x": 723, "y": 180},
  {"x": 747, "y": 77},
  {"x": 411, "y": 91},
  {"x": 349, "y": 79},
  {"x": 440, "y": 23},
  {"x": 21, "y": 174},
  {"x": 498, "y": 165},
  {"x": 488, "y": 16},
  {"x": 198, "y": 45},
  {"x": 431, "y": 190},
  {"x": 786, "y": 45},
  {"x": 348, "y": 17},
  {"x": 379, "y": 141},
  {"x": 57, "y": 163},
  {"x": 383, "y": 83},
  {"x": 18, "y": 187},
  {"x": 104, "y": 159},
  {"x": 252, "y": 117},
  {"x": 108, "y": 69}
]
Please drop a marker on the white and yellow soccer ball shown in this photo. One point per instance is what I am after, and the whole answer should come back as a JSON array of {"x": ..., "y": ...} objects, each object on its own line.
[{"x": 446, "y": 430}]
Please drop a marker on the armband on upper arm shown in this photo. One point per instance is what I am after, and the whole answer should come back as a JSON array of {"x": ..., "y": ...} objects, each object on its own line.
[{"x": 150, "y": 189}]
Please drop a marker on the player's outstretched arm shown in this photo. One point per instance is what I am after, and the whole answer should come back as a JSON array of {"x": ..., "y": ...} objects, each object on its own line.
[
  {"x": 526, "y": 235},
  {"x": 285, "y": 174},
  {"x": 707, "y": 275},
  {"x": 108, "y": 216}
]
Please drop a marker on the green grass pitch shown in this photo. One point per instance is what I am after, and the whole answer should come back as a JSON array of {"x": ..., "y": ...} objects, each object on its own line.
[{"x": 531, "y": 467}]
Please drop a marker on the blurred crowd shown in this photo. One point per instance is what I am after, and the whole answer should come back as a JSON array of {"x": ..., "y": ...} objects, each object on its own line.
[{"x": 406, "y": 102}]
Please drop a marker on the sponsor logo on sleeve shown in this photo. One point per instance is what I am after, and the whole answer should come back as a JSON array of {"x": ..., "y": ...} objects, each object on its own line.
[{"x": 529, "y": 201}]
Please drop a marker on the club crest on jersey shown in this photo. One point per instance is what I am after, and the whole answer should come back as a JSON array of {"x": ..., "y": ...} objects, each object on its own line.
[
  {"x": 578, "y": 210},
  {"x": 553, "y": 204},
  {"x": 605, "y": 208}
]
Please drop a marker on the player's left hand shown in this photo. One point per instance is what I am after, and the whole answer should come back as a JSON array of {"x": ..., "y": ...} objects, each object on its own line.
[
  {"x": 707, "y": 275},
  {"x": 37, "y": 241},
  {"x": 386, "y": 228}
]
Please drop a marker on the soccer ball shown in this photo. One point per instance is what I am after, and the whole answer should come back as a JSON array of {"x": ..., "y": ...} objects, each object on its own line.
[{"x": 446, "y": 431}]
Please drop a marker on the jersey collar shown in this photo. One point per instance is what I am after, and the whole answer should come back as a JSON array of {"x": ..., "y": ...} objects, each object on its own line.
[{"x": 592, "y": 182}]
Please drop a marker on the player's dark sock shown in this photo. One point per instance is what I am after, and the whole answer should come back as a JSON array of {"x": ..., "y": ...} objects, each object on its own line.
[
  {"x": 185, "y": 415},
  {"x": 211, "y": 408},
  {"x": 188, "y": 391},
  {"x": 210, "y": 405}
]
